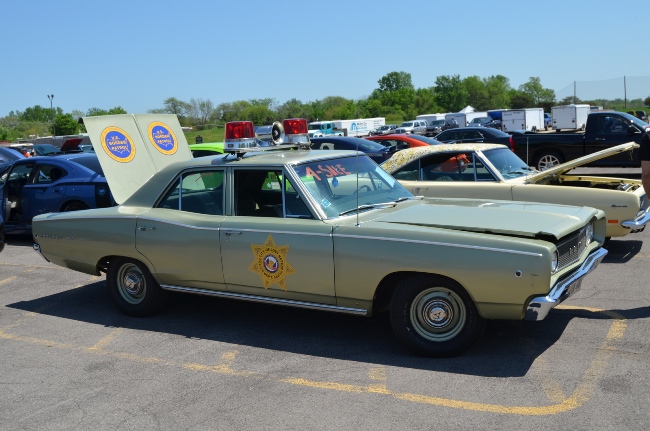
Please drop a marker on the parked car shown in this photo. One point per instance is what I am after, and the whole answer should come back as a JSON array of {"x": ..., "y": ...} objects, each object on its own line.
[
  {"x": 604, "y": 129},
  {"x": 206, "y": 149},
  {"x": 46, "y": 150},
  {"x": 641, "y": 115},
  {"x": 494, "y": 124},
  {"x": 548, "y": 120},
  {"x": 434, "y": 127},
  {"x": 403, "y": 140},
  {"x": 474, "y": 134},
  {"x": 374, "y": 150},
  {"x": 32, "y": 186},
  {"x": 2, "y": 233},
  {"x": 383, "y": 130},
  {"x": 479, "y": 122},
  {"x": 489, "y": 171},
  {"x": 334, "y": 232},
  {"x": 414, "y": 126},
  {"x": 9, "y": 154}
]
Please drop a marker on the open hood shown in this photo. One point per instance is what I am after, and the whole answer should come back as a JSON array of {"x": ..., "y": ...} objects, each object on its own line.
[
  {"x": 565, "y": 167},
  {"x": 131, "y": 148},
  {"x": 524, "y": 219}
]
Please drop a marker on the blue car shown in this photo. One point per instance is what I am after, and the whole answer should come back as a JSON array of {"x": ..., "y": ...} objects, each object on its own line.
[
  {"x": 43, "y": 184},
  {"x": 374, "y": 150}
]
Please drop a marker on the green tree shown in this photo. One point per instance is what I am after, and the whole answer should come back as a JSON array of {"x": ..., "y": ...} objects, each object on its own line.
[
  {"x": 538, "y": 94},
  {"x": 65, "y": 124},
  {"x": 450, "y": 93},
  {"x": 477, "y": 93},
  {"x": 646, "y": 101},
  {"x": 395, "y": 81},
  {"x": 95, "y": 112},
  {"x": 498, "y": 90},
  {"x": 519, "y": 100},
  {"x": 39, "y": 114}
]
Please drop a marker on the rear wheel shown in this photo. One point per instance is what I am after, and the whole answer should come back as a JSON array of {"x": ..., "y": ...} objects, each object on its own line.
[
  {"x": 546, "y": 160},
  {"x": 434, "y": 316},
  {"x": 132, "y": 287}
]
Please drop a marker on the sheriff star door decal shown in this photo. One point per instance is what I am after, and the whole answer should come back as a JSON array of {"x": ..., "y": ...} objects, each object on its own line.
[{"x": 270, "y": 262}]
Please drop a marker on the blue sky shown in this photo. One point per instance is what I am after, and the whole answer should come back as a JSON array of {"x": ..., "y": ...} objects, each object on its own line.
[{"x": 137, "y": 53}]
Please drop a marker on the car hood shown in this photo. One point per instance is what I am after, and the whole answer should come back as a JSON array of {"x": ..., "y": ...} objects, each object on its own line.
[
  {"x": 524, "y": 219},
  {"x": 566, "y": 167}
]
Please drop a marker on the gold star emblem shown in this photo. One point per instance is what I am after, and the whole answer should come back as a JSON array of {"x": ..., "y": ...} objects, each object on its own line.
[{"x": 270, "y": 262}]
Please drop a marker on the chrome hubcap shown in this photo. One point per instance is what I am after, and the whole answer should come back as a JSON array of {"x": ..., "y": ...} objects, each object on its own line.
[
  {"x": 131, "y": 283},
  {"x": 438, "y": 314}
]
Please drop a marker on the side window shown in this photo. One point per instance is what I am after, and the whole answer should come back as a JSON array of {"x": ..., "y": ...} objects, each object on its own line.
[
  {"x": 294, "y": 204},
  {"x": 196, "y": 192},
  {"x": 409, "y": 172},
  {"x": 258, "y": 193},
  {"x": 46, "y": 174},
  {"x": 472, "y": 134},
  {"x": 444, "y": 167},
  {"x": 478, "y": 171}
]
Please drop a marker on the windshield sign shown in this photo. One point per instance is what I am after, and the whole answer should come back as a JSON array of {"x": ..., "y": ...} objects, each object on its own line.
[{"x": 341, "y": 185}]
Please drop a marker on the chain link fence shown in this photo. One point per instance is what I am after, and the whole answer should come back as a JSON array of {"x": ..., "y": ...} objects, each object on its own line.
[{"x": 625, "y": 90}]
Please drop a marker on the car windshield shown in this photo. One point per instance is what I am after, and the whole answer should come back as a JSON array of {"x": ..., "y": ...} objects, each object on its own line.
[
  {"x": 341, "y": 185},
  {"x": 406, "y": 124},
  {"x": 507, "y": 163},
  {"x": 640, "y": 123},
  {"x": 480, "y": 120},
  {"x": 437, "y": 123},
  {"x": 313, "y": 127}
]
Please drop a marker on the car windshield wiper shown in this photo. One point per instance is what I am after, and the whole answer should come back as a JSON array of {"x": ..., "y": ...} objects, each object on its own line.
[{"x": 371, "y": 206}]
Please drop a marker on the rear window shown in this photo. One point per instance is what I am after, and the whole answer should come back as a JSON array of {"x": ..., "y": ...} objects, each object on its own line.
[{"x": 91, "y": 163}]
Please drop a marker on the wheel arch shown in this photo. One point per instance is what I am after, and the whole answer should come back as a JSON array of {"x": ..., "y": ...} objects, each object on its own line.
[
  {"x": 75, "y": 200},
  {"x": 103, "y": 263},
  {"x": 386, "y": 288}
]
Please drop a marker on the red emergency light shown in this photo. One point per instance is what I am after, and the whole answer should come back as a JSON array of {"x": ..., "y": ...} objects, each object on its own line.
[
  {"x": 295, "y": 130},
  {"x": 240, "y": 130},
  {"x": 240, "y": 134}
]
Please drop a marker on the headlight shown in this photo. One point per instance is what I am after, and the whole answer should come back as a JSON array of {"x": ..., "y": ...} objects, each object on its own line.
[
  {"x": 554, "y": 261},
  {"x": 589, "y": 233}
]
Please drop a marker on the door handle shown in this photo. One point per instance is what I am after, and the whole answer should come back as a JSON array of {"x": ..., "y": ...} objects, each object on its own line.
[
  {"x": 599, "y": 139},
  {"x": 143, "y": 228},
  {"x": 232, "y": 232}
]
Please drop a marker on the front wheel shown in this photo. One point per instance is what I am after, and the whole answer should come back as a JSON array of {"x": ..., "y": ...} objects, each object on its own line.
[
  {"x": 434, "y": 316},
  {"x": 132, "y": 288}
]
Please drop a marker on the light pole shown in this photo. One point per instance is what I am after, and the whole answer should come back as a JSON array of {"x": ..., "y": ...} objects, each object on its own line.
[{"x": 51, "y": 97}]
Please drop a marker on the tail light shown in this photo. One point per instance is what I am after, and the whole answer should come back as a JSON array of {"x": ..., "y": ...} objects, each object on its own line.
[
  {"x": 240, "y": 134},
  {"x": 511, "y": 141}
]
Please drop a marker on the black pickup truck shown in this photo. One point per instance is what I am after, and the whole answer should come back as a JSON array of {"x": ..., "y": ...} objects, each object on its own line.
[{"x": 603, "y": 130}]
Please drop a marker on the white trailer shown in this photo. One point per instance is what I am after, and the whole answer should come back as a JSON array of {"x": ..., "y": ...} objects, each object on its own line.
[
  {"x": 431, "y": 117},
  {"x": 572, "y": 117},
  {"x": 531, "y": 119},
  {"x": 463, "y": 118},
  {"x": 360, "y": 126}
]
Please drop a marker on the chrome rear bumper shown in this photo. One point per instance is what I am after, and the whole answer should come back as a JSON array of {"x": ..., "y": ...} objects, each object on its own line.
[
  {"x": 539, "y": 307},
  {"x": 638, "y": 224}
]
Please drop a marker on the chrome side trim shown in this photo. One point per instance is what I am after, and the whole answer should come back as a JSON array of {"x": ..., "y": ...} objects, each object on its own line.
[
  {"x": 443, "y": 244},
  {"x": 179, "y": 224},
  {"x": 267, "y": 300},
  {"x": 539, "y": 307},
  {"x": 277, "y": 232},
  {"x": 640, "y": 221}
]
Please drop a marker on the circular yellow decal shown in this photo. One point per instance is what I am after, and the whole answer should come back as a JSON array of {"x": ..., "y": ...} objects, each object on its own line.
[
  {"x": 118, "y": 144},
  {"x": 162, "y": 138}
]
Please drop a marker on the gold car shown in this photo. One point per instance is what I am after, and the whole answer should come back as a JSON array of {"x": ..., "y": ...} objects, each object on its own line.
[
  {"x": 326, "y": 230},
  {"x": 492, "y": 171}
]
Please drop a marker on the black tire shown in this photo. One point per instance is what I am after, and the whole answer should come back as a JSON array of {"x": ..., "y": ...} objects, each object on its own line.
[
  {"x": 133, "y": 289},
  {"x": 547, "y": 159},
  {"x": 434, "y": 316},
  {"x": 74, "y": 206}
]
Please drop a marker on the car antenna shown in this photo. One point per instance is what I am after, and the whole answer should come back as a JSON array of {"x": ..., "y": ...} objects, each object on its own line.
[
  {"x": 527, "y": 160},
  {"x": 357, "y": 193}
]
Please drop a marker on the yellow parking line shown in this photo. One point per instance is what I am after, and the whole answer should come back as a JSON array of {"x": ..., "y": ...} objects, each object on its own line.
[
  {"x": 582, "y": 393},
  {"x": 107, "y": 339},
  {"x": 8, "y": 280}
]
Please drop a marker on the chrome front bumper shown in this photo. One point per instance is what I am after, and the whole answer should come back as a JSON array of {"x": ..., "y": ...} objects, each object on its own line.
[
  {"x": 539, "y": 307},
  {"x": 638, "y": 224}
]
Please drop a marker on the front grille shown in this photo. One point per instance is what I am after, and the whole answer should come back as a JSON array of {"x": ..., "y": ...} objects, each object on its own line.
[{"x": 570, "y": 248}]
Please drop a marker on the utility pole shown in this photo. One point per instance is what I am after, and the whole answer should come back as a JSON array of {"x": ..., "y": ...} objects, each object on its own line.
[{"x": 51, "y": 97}]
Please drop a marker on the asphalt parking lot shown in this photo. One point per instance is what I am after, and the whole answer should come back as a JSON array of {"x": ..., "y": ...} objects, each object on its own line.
[{"x": 70, "y": 360}]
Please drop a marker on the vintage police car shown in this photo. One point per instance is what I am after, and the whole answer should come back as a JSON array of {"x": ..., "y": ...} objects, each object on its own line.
[{"x": 319, "y": 229}]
